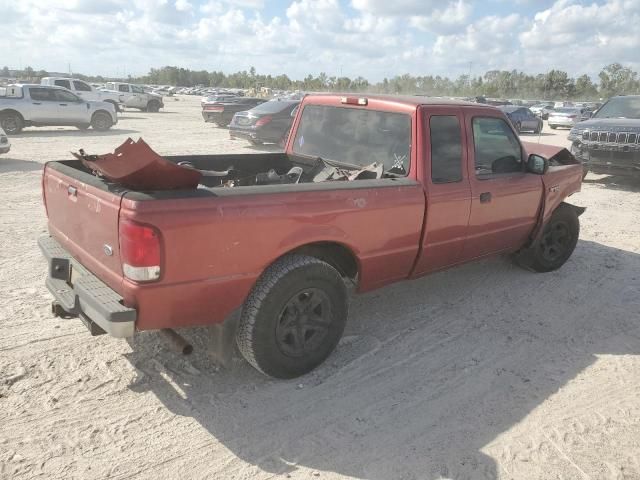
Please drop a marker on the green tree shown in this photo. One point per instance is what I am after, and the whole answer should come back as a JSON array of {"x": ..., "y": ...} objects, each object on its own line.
[{"x": 618, "y": 80}]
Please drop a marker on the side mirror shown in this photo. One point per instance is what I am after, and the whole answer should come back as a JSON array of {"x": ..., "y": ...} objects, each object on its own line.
[{"x": 537, "y": 164}]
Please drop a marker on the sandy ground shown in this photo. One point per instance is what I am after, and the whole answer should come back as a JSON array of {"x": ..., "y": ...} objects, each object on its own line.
[{"x": 482, "y": 372}]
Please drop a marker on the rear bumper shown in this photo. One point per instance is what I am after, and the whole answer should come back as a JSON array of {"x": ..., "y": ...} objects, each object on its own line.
[
  {"x": 560, "y": 122},
  {"x": 5, "y": 148},
  {"x": 88, "y": 298},
  {"x": 246, "y": 134}
]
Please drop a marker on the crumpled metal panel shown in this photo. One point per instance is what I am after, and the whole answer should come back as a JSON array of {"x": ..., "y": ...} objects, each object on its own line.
[{"x": 135, "y": 165}]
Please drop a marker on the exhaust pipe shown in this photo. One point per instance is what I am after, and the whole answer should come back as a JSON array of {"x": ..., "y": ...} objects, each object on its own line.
[{"x": 176, "y": 341}]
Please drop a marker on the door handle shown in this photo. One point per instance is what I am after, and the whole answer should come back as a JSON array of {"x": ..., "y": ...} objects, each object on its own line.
[
  {"x": 485, "y": 197},
  {"x": 37, "y": 103},
  {"x": 63, "y": 104}
]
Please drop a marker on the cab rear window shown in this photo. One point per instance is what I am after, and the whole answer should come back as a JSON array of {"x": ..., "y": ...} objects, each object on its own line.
[{"x": 355, "y": 136}]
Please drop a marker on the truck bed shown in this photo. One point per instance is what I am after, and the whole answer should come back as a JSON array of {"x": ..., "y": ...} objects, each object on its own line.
[{"x": 211, "y": 233}]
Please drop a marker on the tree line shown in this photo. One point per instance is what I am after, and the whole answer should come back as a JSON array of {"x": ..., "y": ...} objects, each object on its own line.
[{"x": 614, "y": 79}]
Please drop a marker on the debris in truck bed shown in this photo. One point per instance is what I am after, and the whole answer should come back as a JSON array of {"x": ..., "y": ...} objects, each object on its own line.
[{"x": 135, "y": 165}]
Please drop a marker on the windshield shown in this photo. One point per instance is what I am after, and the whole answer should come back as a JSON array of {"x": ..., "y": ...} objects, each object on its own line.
[
  {"x": 620, "y": 107},
  {"x": 355, "y": 137}
]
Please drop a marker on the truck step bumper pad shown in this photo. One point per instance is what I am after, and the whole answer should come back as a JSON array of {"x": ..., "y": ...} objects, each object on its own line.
[{"x": 89, "y": 297}]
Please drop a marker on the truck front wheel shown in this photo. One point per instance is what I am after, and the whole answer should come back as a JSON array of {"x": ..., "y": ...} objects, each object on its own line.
[
  {"x": 101, "y": 121},
  {"x": 294, "y": 317},
  {"x": 555, "y": 244},
  {"x": 153, "y": 106}
]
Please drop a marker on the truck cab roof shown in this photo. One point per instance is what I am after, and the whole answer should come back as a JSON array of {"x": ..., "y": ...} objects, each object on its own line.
[{"x": 408, "y": 100}]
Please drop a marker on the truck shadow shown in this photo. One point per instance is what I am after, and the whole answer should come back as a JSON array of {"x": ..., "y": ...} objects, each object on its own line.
[
  {"x": 614, "y": 182},
  {"x": 430, "y": 373},
  {"x": 8, "y": 165}
]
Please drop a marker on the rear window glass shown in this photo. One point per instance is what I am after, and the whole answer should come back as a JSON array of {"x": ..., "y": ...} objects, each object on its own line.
[
  {"x": 567, "y": 110},
  {"x": 272, "y": 107},
  {"x": 63, "y": 83},
  {"x": 355, "y": 136},
  {"x": 42, "y": 94}
]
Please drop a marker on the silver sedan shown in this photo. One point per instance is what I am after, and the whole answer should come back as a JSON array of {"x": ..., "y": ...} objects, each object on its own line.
[{"x": 567, "y": 117}]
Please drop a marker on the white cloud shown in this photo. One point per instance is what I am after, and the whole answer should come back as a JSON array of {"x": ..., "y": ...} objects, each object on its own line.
[
  {"x": 374, "y": 38},
  {"x": 443, "y": 20}
]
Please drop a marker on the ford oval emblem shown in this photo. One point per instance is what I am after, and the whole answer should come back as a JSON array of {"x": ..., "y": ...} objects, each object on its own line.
[{"x": 108, "y": 251}]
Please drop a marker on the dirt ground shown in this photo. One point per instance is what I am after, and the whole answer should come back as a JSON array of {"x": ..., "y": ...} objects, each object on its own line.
[{"x": 482, "y": 372}]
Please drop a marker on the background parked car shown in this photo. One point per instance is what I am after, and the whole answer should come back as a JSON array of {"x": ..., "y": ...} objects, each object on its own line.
[
  {"x": 38, "y": 106},
  {"x": 221, "y": 113},
  {"x": 522, "y": 118},
  {"x": 218, "y": 98},
  {"x": 5, "y": 146},
  {"x": 268, "y": 122},
  {"x": 542, "y": 110},
  {"x": 134, "y": 96},
  {"x": 568, "y": 117}
]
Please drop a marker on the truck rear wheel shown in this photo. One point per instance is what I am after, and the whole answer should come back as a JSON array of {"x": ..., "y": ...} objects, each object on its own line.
[
  {"x": 294, "y": 317},
  {"x": 12, "y": 122},
  {"x": 555, "y": 244}
]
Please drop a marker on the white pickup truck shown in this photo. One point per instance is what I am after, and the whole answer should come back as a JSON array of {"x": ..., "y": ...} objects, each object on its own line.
[
  {"x": 39, "y": 106},
  {"x": 134, "y": 96},
  {"x": 84, "y": 90}
]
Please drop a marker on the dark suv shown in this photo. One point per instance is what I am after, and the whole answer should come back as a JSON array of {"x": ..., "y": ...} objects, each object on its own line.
[{"x": 609, "y": 142}]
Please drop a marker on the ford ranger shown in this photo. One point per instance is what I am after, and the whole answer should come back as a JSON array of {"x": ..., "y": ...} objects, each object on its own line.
[
  {"x": 369, "y": 190},
  {"x": 38, "y": 106}
]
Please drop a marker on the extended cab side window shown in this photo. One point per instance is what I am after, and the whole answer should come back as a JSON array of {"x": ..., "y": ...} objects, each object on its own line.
[
  {"x": 81, "y": 86},
  {"x": 63, "y": 83},
  {"x": 123, "y": 88},
  {"x": 446, "y": 149},
  {"x": 497, "y": 150},
  {"x": 42, "y": 94},
  {"x": 136, "y": 89}
]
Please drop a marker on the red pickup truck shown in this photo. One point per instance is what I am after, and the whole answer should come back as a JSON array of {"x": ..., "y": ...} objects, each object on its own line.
[{"x": 370, "y": 190}]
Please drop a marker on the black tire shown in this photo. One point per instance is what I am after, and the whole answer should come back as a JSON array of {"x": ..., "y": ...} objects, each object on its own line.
[
  {"x": 538, "y": 129},
  {"x": 556, "y": 242},
  {"x": 153, "y": 106},
  {"x": 585, "y": 171},
  {"x": 294, "y": 317},
  {"x": 12, "y": 123},
  {"x": 101, "y": 121},
  {"x": 553, "y": 127},
  {"x": 253, "y": 141},
  {"x": 518, "y": 127}
]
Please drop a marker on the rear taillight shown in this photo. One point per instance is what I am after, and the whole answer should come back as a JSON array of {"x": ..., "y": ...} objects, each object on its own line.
[
  {"x": 139, "y": 251},
  {"x": 264, "y": 120},
  {"x": 214, "y": 108}
]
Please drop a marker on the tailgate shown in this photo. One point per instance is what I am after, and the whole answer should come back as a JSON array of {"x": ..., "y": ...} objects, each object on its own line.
[{"x": 83, "y": 216}]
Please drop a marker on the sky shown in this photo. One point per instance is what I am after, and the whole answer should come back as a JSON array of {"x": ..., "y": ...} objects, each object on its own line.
[{"x": 369, "y": 38}]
